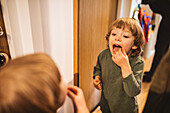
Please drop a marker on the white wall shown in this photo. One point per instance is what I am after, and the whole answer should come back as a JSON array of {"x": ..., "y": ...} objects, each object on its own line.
[
  {"x": 126, "y": 7},
  {"x": 42, "y": 26}
]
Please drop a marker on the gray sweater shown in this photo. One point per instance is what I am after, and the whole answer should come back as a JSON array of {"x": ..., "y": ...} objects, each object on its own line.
[{"x": 120, "y": 93}]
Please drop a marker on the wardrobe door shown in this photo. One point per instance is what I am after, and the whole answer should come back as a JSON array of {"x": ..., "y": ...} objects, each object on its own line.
[{"x": 94, "y": 17}]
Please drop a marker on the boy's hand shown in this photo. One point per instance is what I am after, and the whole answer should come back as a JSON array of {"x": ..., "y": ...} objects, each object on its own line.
[
  {"x": 122, "y": 60},
  {"x": 120, "y": 57},
  {"x": 97, "y": 83},
  {"x": 77, "y": 96}
]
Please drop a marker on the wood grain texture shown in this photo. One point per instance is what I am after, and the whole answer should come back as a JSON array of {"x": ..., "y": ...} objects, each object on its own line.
[
  {"x": 75, "y": 34},
  {"x": 94, "y": 18}
]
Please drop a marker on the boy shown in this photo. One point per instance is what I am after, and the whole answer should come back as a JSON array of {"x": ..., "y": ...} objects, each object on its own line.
[
  {"x": 119, "y": 68},
  {"x": 33, "y": 84}
]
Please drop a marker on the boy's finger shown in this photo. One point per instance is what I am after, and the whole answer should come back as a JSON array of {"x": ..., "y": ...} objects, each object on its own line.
[
  {"x": 96, "y": 84},
  {"x": 123, "y": 51},
  {"x": 74, "y": 89},
  {"x": 99, "y": 87},
  {"x": 71, "y": 94},
  {"x": 120, "y": 52}
]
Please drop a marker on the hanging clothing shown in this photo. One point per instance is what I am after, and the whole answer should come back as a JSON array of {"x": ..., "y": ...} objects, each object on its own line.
[
  {"x": 163, "y": 38},
  {"x": 145, "y": 22}
]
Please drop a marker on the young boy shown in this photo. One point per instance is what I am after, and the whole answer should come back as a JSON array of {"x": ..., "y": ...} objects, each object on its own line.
[
  {"x": 119, "y": 69},
  {"x": 33, "y": 84}
]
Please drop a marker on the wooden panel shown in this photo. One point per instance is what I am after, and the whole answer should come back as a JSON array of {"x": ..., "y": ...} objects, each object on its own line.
[
  {"x": 75, "y": 34},
  {"x": 94, "y": 19}
]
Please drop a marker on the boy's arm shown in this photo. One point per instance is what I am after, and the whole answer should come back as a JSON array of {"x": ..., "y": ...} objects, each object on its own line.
[
  {"x": 132, "y": 83},
  {"x": 97, "y": 69},
  {"x": 132, "y": 79},
  {"x": 97, "y": 75},
  {"x": 126, "y": 69}
]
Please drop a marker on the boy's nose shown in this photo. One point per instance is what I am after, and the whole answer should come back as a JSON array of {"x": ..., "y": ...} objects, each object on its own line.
[{"x": 118, "y": 38}]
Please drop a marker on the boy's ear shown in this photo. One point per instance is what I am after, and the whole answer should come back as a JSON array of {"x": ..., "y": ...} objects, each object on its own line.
[{"x": 134, "y": 47}]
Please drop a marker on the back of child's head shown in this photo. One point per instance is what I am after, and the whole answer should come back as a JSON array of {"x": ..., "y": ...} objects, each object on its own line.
[
  {"x": 134, "y": 27},
  {"x": 30, "y": 84}
]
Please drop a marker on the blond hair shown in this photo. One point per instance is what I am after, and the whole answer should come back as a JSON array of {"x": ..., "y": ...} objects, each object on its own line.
[
  {"x": 134, "y": 27},
  {"x": 30, "y": 84}
]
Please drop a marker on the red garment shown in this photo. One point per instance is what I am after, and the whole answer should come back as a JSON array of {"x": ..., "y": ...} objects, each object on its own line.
[{"x": 145, "y": 22}]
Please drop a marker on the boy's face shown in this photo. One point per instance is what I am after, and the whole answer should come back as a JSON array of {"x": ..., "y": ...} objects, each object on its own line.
[{"x": 120, "y": 38}]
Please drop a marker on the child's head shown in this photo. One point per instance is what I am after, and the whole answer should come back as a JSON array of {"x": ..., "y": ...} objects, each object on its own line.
[
  {"x": 127, "y": 33},
  {"x": 31, "y": 84}
]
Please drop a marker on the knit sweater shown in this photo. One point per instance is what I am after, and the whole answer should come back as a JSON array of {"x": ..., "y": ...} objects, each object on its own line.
[{"x": 119, "y": 93}]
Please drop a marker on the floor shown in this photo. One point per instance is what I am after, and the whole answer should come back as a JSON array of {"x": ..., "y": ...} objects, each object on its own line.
[{"x": 142, "y": 97}]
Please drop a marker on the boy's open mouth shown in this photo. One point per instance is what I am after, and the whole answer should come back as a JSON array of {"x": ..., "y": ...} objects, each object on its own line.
[{"x": 116, "y": 46}]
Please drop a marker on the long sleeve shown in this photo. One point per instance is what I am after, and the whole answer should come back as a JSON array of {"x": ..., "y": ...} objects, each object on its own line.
[
  {"x": 97, "y": 69},
  {"x": 132, "y": 83}
]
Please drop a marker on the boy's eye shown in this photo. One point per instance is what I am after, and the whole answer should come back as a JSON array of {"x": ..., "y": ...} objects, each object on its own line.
[
  {"x": 114, "y": 34},
  {"x": 126, "y": 36}
]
